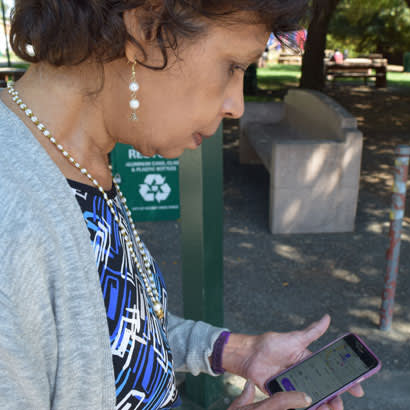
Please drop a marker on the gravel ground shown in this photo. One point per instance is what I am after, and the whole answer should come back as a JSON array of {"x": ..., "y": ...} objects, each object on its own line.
[{"x": 283, "y": 282}]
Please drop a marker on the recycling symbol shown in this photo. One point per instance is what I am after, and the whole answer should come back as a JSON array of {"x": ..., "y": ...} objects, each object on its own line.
[{"x": 154, "y": 188}]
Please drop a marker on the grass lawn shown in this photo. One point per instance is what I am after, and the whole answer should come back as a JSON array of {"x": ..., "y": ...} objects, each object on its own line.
[
  {"x": 14, "y": 61},
  {"x": 398, "y": 79},
  {"x": 279, "y": 76}
]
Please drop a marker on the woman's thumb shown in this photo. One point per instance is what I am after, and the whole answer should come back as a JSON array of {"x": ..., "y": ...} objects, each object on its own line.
[
  {"x": 247, "y": 396},
  {"x": 315, "y": 330}
]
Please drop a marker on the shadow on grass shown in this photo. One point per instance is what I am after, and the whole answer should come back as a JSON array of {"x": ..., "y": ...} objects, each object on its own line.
[
  {"x": 281, "y": 67},
  {"x": 277, "y": 82}
]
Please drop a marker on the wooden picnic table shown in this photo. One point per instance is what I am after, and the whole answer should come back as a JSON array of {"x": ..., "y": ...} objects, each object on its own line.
[
  {"x": 288, "y": 58},
  {"x": 360, "y": 67},
  {"x": 10, "y": 73}
]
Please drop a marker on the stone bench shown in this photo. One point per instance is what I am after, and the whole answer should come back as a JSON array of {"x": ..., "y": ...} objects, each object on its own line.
[{"x": 312, "y": 149}]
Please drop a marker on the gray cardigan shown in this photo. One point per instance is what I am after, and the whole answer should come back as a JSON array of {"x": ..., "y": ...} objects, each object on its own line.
[{"x": 54, "y": 340}]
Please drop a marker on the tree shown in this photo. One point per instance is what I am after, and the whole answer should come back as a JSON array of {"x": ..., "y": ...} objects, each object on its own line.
[
  {"x": 312, "y": 64},
  {"x": 387, "y": 32},
  {"x": 367, "y": 26}
]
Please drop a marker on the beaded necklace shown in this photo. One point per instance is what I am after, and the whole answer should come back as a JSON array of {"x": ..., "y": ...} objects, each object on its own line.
[{"x": 144, "y": 269}]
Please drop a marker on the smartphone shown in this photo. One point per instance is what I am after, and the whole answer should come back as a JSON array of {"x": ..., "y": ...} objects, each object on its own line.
[{"x": 328, "y": 372}]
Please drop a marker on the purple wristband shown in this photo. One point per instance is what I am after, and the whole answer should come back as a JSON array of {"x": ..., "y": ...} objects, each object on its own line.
[{"x": 216, "y": 357}]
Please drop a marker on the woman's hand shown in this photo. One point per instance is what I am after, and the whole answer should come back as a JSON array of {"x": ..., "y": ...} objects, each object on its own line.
[
  {"x": 279, "y": 401},
  {"x": 258, "y": 358}
]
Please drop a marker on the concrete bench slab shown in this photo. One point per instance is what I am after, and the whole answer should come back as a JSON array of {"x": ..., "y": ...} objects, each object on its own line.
[{"x": 312, "y": 148}]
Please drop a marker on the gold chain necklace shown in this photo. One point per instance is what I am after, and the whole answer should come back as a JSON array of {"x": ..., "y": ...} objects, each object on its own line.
[{"x": 145, "y": 268}]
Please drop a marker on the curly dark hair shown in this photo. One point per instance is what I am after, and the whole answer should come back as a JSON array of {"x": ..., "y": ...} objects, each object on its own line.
[{"x": 63, "y": 32}]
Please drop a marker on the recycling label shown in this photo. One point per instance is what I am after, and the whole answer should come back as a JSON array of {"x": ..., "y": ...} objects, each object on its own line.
[
  {"x": 155, "y": 188},
  {"x": 150, "y": 184}
]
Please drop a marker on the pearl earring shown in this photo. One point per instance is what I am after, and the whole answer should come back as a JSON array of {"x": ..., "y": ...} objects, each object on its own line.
[{"x": 134, "y": 87}]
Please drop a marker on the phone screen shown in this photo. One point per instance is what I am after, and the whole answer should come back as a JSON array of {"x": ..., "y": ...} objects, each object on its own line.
[{"x": 327, "y": 371}]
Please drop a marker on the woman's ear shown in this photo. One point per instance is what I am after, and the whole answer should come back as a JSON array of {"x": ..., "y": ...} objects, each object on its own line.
[{"x": 133, "y": 26}]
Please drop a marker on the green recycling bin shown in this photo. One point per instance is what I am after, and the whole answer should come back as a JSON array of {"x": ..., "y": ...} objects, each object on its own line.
[
  {"x": 150, "y": 184},
  {"x": 406, "y": 62}
]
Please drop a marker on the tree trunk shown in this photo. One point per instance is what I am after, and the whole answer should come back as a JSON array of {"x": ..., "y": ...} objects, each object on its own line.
[
  {"x": 408, "y": 2},
  {"x": 312, "y": 64}
]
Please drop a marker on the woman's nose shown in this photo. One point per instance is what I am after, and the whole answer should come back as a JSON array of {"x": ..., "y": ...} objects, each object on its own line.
[{"x": 234, "y": 105}]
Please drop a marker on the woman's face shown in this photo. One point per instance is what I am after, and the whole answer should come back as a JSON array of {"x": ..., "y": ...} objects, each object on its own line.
[{"x": 186, "y": 102}]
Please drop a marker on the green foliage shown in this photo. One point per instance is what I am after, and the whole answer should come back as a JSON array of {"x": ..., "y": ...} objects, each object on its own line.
[{"x": 381, "y": 26}]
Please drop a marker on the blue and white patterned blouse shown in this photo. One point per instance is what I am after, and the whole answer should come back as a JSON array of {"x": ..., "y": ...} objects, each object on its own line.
[{"x": 143, "y": 366}]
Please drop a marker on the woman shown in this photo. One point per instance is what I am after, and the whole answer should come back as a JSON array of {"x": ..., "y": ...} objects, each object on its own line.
[{"x": 87, "y": 327}]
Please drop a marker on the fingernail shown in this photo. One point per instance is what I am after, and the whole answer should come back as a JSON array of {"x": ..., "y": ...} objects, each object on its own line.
[{"x": 308, "y": 399}]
